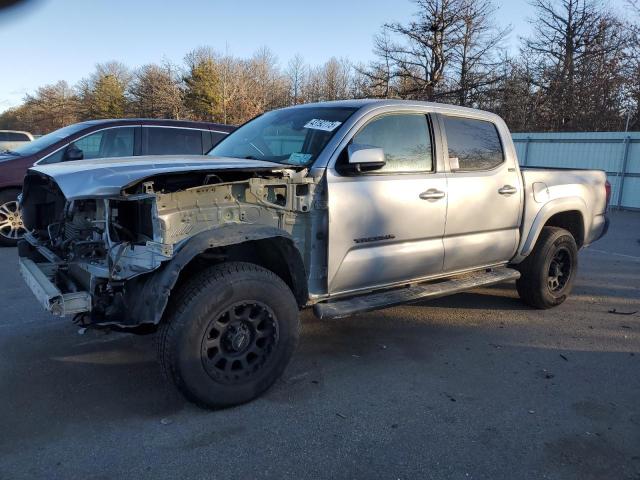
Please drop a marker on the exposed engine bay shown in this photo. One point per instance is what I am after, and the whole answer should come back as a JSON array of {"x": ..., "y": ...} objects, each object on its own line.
[{"x": 107, "y": 246}]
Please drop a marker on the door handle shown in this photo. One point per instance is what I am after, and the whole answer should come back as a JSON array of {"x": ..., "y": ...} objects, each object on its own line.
[
  {"x": 507, "y": 190},
  {"x": 432, "y": 194}
]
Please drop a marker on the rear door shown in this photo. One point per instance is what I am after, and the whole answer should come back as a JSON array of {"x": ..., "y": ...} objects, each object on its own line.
[
  {"x": 485, "y": 195},
  {"x": 386, "y": 225}
]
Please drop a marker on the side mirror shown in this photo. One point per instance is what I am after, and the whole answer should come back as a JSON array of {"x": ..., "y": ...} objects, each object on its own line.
[
  {"x": 73, "y": 153},
  {"x": 365, "y": 156}
]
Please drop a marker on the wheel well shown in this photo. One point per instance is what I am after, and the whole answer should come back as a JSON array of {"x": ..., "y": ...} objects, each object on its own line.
[
  {"x": 9, "y": 187},
  {"x": 276, "y": 254},
  {"x": 572, "y": 222}
]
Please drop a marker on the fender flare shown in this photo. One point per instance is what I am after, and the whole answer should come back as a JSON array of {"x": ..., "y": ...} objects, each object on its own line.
[
  {"x": 146, "y": 297},
  {"x": 547, "y": 211}
]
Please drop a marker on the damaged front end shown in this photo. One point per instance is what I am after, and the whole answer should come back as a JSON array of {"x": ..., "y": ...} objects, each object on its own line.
[
  {"x": 107, "y": 258},
  {"x": 79, "y": 253}
]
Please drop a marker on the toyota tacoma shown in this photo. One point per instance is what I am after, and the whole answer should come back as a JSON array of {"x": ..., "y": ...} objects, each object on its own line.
[{"x": 342, "y": 207}]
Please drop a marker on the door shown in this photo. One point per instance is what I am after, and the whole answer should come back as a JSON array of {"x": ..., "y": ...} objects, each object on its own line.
[
  {"x": 386, "y": 225},
  {"x": 485, "y": 195}
]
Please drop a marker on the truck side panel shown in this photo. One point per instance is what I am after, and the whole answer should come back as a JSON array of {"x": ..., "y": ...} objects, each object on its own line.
[{"x": 551, "y": 192}]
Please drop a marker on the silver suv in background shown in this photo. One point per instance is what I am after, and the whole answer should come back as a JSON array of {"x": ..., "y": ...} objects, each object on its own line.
[{"x": 11, "y": 139}]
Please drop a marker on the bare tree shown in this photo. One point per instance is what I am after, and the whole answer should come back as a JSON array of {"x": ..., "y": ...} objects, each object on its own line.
[
  {"x": 475, "y": 58},
  {"x": 296, "y": 73},
  {"x": 632, "y": 97},
  {"x": 51, "y": 107},
  {"x": 426, "y": 47},
  {"x": 336, "y": 79},
  {"x": 313, "y": 88},
  {"x": 448, "y": 52},
  {"x": 362, "y": 84},
  {"x": 515, "y": 97},
  {"x": 569, "y": 34},
  {"x": 376, "y": 79}
]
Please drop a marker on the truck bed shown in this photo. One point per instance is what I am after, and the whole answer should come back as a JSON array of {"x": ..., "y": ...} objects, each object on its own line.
[{"x": 547, "y": 190}]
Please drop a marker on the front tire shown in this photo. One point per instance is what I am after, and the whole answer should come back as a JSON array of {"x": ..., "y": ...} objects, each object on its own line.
[
  {"x": 229, "y": 334},
  {"x": 11, "y": 227},
  {"x": 548, "y": 273}
]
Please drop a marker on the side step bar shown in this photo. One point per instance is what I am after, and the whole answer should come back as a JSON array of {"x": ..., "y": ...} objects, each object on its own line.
[{"x": 388, "y": 298}]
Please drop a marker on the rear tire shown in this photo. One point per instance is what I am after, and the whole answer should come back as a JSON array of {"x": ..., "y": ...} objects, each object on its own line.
[
  {"x": 11, "y": 226},
  {"x": 549, "y": 271},
  {"x": 229, "y": 334}
]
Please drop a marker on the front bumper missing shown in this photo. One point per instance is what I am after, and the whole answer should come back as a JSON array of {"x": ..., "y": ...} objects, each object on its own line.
[{"x": 39, "y": 276}]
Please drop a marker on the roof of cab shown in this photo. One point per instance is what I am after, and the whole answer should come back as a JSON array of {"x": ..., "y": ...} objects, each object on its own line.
[{"x": 373, "y": 103}]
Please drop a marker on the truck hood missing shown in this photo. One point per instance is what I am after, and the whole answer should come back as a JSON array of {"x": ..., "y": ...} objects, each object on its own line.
[{"x": 107, "y": 177}]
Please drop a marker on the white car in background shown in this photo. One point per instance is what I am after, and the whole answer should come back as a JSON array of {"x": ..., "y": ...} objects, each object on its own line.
[{"x": 10, "y": 139}]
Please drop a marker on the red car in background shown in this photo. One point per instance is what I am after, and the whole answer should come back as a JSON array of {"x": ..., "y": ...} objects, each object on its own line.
[{"x": 97, "y": 139}]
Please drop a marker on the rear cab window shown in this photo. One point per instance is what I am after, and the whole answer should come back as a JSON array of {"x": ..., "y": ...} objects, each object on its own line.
[{"x": 473, "y": 144}]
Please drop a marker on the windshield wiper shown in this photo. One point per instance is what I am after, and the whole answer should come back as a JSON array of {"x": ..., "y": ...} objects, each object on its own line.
[{"x": 10, "y": 152}]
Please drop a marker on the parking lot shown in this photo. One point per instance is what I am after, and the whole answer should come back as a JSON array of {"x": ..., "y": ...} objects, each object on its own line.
[{"x": 472, "y": 386}]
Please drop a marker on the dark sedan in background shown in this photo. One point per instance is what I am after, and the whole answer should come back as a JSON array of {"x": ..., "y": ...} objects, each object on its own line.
[{"x": 97, "y": 139}]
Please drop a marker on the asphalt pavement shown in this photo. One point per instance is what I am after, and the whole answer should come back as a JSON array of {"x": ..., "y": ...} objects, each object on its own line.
[{"x": 473, "y": 386}]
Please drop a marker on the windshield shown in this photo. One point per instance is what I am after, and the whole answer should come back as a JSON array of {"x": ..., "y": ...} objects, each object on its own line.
[
  {"x": 293, "y": 136},
  {"x": 48, "y": 140}
]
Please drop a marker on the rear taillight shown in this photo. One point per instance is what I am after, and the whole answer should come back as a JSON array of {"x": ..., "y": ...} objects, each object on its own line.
[{"x": 607, "y": 189}]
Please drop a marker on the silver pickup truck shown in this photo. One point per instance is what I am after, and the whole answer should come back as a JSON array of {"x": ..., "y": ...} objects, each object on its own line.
[{"x": 343, "y": 207}]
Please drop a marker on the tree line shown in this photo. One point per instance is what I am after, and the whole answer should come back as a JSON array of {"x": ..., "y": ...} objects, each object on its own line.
[{"x": 578, "y": 71}]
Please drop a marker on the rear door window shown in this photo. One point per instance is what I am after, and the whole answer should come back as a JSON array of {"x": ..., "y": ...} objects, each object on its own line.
[
  {"x": 173, "y": 141},
  {"x": 118, "y": 142},
  {"x": 473, "y": 144}
]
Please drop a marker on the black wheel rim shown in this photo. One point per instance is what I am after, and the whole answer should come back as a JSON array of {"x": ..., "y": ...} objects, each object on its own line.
[
  {"x": 559, "y": 270},
  {"x": 239, "y": 342}
]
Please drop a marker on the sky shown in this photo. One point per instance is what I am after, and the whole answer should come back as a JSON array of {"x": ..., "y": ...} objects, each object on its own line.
[{"x": 44, "y": 41}]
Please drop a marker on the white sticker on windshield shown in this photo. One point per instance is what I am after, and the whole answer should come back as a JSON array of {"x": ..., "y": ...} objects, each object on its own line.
[
  {"x": 299, "y": 158},
  {"x": 326, "y": 125}
]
